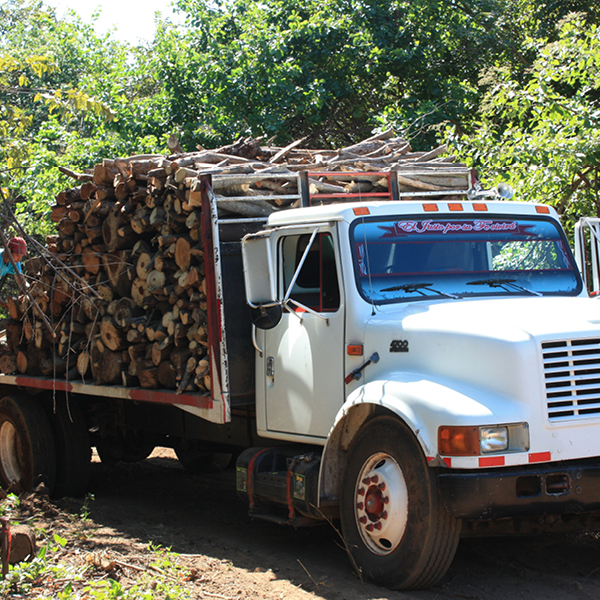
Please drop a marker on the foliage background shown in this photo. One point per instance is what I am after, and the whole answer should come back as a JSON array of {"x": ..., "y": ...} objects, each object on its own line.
[{"x": 511, "y": 85}]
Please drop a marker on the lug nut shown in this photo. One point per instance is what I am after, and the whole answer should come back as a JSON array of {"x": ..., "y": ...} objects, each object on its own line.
[
  {"x": 377, "y": 525},
  {"x": 366, "y": 480},
  {"x": 381, "y": 486},
  {"x": 385, "y": 499},
  {"x": 369, "y": 527},
  {"x": 359, "y": 506},
  {"x": 374, "y": 479},
  {"x": 361, "y": 491},
  {"x": 362, "y": 520},
  {"x": 384, "y": 515}
]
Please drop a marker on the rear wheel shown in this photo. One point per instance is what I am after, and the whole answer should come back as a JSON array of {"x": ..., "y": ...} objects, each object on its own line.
[
  {"x": 395, "y": 526},
  {"x": 27, "y": 453}
]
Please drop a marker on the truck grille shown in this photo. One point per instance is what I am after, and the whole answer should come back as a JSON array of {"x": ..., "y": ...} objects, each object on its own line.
[{"x": 572, "y": 372}]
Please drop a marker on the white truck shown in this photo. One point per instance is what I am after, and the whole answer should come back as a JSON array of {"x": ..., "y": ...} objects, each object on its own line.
[{"x": 415, "y": 368}]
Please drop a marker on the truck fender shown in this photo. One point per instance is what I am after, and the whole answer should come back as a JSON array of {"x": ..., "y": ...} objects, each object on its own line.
[{"x": 422, "y": 404}]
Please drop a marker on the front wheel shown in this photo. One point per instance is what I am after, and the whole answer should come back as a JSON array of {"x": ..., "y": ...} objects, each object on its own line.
[{"x": 395, "y": 526}]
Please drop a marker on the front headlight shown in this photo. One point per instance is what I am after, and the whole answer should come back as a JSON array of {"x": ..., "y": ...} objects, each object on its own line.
[
  {"x": 485, "y": 439},
  {"x": 493, "y": 439}
]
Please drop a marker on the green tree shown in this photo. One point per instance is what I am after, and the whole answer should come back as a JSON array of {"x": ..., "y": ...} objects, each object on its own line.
[
  {"x": 336, "y": 69},
  {"x": 541, "y": 133},
  {"x": 56, "y": 99}
]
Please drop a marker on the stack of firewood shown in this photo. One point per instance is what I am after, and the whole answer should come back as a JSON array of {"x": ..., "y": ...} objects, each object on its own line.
[
  {"x": 128, "y": 305},
  {"x": 119, "y": 294}
]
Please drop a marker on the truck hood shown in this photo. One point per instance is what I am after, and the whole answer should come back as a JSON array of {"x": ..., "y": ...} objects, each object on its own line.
[
  {"x": 499, "y": 317},
  {"x": 492, "y": 346}
]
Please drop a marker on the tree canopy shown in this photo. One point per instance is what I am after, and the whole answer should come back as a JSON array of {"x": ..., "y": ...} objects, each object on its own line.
[
  {"x": 512, "y": 85},
  {"x": 540, "y": 130}
]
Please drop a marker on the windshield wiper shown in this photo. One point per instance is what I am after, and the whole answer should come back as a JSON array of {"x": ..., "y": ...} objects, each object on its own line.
[
  {"x": 418, "y": 287},
  {"x": 505, "y": 283}
]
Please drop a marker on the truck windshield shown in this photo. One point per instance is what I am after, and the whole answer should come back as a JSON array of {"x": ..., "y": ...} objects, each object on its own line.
[{"x": 402, "y": 260}]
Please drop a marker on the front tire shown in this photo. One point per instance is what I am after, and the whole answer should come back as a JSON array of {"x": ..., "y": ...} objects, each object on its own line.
[
  {"x": 27, "y": 453},
  {"x": 394, "y": 523}
]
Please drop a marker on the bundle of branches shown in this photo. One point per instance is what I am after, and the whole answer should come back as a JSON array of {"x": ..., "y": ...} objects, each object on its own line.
[
  {"x": 265, "y": 178},
  {"x": 119, "y": 295}
]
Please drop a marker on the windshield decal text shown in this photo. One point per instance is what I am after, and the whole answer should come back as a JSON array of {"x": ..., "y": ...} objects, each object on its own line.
[{"x": 444, "y": 227}]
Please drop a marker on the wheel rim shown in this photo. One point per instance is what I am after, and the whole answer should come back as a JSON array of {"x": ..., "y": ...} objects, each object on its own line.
[
  {"x": 381, "y": 503},
  {"x": 9, "y": 452}
]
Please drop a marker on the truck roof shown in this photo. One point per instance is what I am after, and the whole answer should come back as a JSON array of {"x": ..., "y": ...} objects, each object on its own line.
[{"x": 348, "y": 211}]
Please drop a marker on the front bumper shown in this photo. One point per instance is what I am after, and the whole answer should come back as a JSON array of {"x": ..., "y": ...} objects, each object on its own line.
[{"x": 570, "y": 487}]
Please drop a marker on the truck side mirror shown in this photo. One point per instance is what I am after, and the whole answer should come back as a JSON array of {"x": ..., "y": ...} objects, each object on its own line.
[
  {"x": 266, "y": 317},
  {"x": 259, "y": 269},
  {"x": 259, "y": 279}
]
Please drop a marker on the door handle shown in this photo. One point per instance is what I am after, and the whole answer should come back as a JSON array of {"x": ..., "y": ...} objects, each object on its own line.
[{"x": 271, "y": 367}]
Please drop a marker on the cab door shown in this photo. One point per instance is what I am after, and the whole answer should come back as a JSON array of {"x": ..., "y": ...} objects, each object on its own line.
[{"x": 303, "y": 355}]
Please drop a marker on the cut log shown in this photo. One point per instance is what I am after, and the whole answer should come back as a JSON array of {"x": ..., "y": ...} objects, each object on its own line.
[
  {"x": 135, "y": 337},
  {"x": 139, "y": 292},
  {"x": 182, "y": 252},
  {"x": 137, "y": 352},
  {"x": 21, "y": 362},
  {"x": 116, "y": 267},
  {"x": 110, "y": 230},
  {"x": 14, "y": 309},
  {"x": 148, "y": 377},
  {"x": 167, "y": 375},
  {"x": 112, "y": 337},
  {"x": 187, "y": 376},
  {"x": 145, "y": 264},
  {"x": 8, "y": 364},
  {"x": 127, "y": 313},
  {"x": 420, "y": 185},
  {"x": 90, "y": 260},
  {"x": 83, "y": 363},
  {"x": 53, "y": 366},
  {"x": 106, "y": 366},
  {"x": 156, "y": 280},
  {"x": 180, "y": 357},
  {"x": 160, "y": 353}
]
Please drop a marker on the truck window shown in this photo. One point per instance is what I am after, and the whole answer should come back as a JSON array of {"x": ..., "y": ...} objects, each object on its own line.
[
  {"x": 317, "y": 283},
  {"x": 405, "y": 259}
]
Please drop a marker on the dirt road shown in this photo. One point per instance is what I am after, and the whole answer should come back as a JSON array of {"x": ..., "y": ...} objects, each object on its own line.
[{"x": 156, "y": 501}]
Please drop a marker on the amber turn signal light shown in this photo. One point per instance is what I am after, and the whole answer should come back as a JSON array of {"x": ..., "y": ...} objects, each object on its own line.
[
  {"x": 458, "y": 441},
  {"x": 354, "y": 349}
]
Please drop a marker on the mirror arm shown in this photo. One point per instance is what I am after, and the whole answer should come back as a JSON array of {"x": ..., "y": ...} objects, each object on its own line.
[
  {"x": 264, "y": 304},
  {"x": 306, "y": 308}
]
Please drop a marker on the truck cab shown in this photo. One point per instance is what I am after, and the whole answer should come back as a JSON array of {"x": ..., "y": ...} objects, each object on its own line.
[{"x": 443, "y": 360}]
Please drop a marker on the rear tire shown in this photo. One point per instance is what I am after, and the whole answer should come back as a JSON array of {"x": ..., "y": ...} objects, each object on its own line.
[
  {"x": 27, "y": 452},
  {"x": 73, "y": 450},
  {"x": 394, "y": 523}
]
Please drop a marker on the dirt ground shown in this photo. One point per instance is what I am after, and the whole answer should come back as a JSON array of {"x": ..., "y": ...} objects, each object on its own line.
[{"x": 229, "y": 556}]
